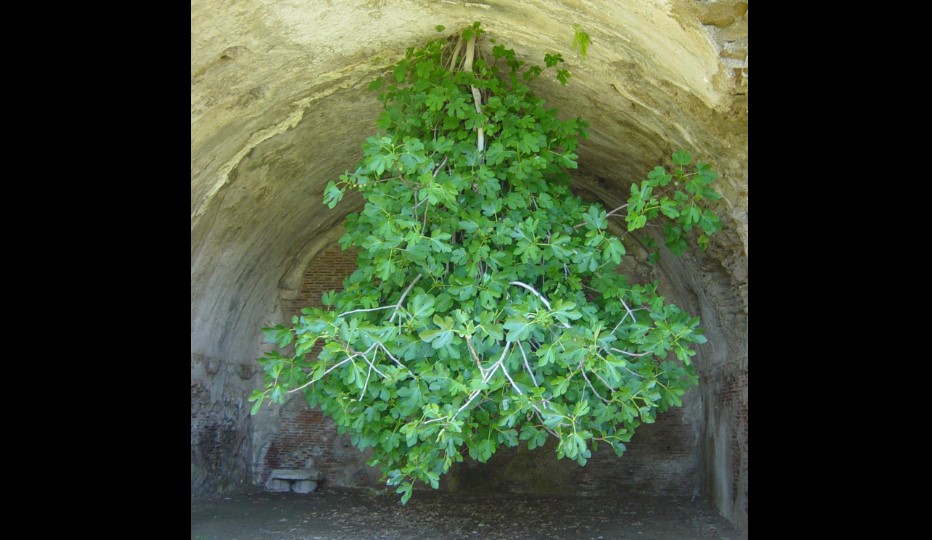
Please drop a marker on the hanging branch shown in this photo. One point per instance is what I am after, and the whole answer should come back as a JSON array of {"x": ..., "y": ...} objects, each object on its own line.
[{"x": 476, "y": 96}]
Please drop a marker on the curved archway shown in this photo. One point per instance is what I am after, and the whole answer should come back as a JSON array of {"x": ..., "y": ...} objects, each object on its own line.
[{"x": 279, "y": 107}]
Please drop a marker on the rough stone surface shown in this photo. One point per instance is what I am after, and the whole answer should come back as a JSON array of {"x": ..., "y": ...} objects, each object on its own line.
[
  {"x": 221, "y": 446},
  {"x": 304, "y": 486},
  {"x": 295, "y": 474},
  {"x": 279, "y": 107},
  {"x": 281, "y": 486}
]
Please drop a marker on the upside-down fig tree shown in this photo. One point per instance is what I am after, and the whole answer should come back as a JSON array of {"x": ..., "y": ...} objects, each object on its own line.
[{"x": 486, "y": 309}]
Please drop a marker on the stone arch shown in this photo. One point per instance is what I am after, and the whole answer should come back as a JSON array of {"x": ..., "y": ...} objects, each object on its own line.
[{"x": 279, "y": 107}]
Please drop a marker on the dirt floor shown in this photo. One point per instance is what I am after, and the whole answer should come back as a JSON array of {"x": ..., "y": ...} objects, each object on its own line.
[{"x": 341, "y": 513}]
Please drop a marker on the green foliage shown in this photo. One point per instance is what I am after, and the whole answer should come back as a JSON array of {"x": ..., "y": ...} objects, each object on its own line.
[
  {"x": 486, "y": 309},
  {"x": 678, "y": 195},
  {"x": 580, "y": 41}
]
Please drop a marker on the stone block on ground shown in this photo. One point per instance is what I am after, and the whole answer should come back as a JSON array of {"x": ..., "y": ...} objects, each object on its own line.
[
  {"x": 304, "y": 486},
  {"x": 275, "y": 484},
  {"x": 295, "y": 474}
]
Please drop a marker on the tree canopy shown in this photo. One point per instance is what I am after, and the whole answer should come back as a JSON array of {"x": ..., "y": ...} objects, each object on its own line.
[{"x": 487, "y": 309}]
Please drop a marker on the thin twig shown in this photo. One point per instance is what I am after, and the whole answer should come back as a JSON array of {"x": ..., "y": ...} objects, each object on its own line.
[
  {"x": 541, "y": 416},
  {"x": 515, "y": 386},
  {"x": 617, "y": 209},
  {"x": 364, "y": 310},
  {"x": 440, "y": 167},
  {"x": 526, "y": 365},
  {"x": 366, "y": 358},
  {"x": 312, "y": 381},
  {"x": 636, "y": 374},
  {"x": 629, "y": 312},
  {"x": 472, "y": 351},
  {"x": 424, "y": 226},
  {"x": 403, "y": 295},
  {"x": 385, "y": 350},
  {"x": 486, "y": 379},
  {"x": 583, "y": 371},
  {"x": 578, "y": 225},
  {"x": 496, "y": 365},
  {"x": 366, "y": 385},
  {"x": 596, "y": 373},
  {"x": 629, "y": 353},
  {"x": 533, "y": 290}
]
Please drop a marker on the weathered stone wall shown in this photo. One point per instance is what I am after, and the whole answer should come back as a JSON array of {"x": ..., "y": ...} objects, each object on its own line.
[
  {"x": 221, "y": 450},
  {"x": 279, "y": 107}
]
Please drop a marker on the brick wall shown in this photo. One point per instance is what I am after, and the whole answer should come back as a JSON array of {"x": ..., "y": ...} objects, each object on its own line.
[
  {"x": 662, "y": 458},
  {"x": 727, "y": 387},
  {"x": 306, "y": 434}
]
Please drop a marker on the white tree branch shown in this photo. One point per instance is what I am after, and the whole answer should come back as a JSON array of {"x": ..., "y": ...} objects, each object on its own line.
[
  {"x": 476, "y": 96},
  {"x": 486, "y": 379},
  {"x": 635, "y": 373},
  {"x": 540, "y": 415},
  {"x": 596, "y": 373},
  {"x": 385, "y": 350},
  {"x": 629, "y": 353},
  {"x": 366, "y": 385},
  {"x": 366, "y": 358},
  {"x": 312, "y": 381},
  {"x": 440, "y": 167},
  {"x": 402, "y": 299},
  {"x": 533, "y": 290},
  {"x": 596, "y": 392},
  {"x": 527, "y": 365},
  {"x": 345, "y": 313},
  {"x": 515, "y": 386}
]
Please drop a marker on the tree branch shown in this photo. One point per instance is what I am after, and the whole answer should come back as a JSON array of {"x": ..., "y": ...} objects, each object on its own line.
[
  {"x": 363, "y": 310},
  {"x": 312, "y": 381},
  {"x": 485, "y": 379},
  {"x": 366, "y": 358},
  {"x": 533, "y": 290},
  {"x": 596, "y": 373},
  {"x": 526, "y": 365},
  {"x": 472, "y": 351},
  {"x": 636, "y": 374},
  {"x": 440, "y": 167},
  {"x": 617, "y": 209},
  {"x": 476, "y": 96},
  {"x": 629, "y": 312},
  {"x": 596, "y": 392},
  {"x": 366, "y": 385},
  {"x": 385, "y": 350},
  {"x": 541, "y": 416},
  {"x": 544, "y": 300},
  {"x": 578, "y": 225},
  {"x": 636, "y": 355},
  {"x": 456, "y": 52},
  {"x": 515, "y": 386},
  {"x": 403, "y": 295}
]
